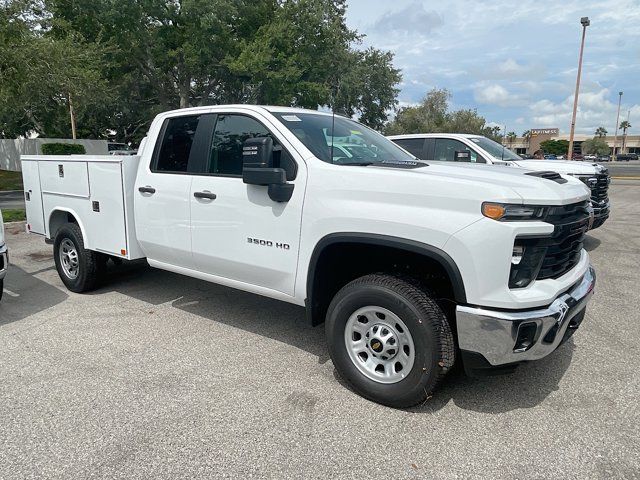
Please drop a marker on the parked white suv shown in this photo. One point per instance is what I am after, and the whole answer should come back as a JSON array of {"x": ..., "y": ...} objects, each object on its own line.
[
  {"x": 323, "y": 212},
  {"x": 4, "y": 256},
  {"x": 479, "y": 149}
]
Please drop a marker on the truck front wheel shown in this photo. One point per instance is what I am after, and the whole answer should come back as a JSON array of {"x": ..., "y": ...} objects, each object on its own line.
[
  {"x": 78, "y": 267},
  {"x": 389, "y": 340}
]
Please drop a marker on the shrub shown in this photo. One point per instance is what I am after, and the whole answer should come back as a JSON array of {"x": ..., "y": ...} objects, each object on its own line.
[{"x": 63, "y": 149}]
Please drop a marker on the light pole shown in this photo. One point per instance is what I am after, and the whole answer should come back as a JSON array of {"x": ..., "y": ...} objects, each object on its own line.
[
  {"x": 585, "y": 23},
  {"x": 615, "y": 137}
]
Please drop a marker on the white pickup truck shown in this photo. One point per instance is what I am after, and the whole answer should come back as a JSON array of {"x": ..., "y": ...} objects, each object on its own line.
[
  {"x": 478, "y": 149},
  {"x": 409, "y": 265},
  {"x": 4, "y": 256}
]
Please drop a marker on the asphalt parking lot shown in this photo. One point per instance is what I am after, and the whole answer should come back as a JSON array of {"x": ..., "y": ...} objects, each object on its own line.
[{"x": 156, "y": 375}]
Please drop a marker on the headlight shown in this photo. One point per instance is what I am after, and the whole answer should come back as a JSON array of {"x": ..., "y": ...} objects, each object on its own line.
[
  {"x": 588, "y": 180},
  {"x": 510, "y": 212}
]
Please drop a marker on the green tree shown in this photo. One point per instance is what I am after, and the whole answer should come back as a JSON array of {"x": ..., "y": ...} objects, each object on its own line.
[
  {"x": 555, "y": 147},
  {"x": 511, "y": 137},
  {"x": 145, "y": 56},
  {"x": 39, "y": 75},
  {"x": 303, "y": 56},
  {"x": 625, "y": 125},
  {"x": 601, "y": 132},
  {"x": 595, "y": 146},
  {"x": 432, "y": 115}
]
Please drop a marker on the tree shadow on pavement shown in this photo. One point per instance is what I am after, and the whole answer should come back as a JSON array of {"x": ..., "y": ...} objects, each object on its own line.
[
  {"x": 527, "y": 387},
  {"x": 26, "y": 295}
]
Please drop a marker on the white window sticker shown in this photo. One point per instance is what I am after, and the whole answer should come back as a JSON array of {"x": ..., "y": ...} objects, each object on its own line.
[{"x": 291, "y": 118}]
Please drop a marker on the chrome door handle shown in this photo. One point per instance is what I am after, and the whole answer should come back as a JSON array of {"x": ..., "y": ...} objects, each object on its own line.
[
  {"x": 147, "y": 189},
  {"x": 205, "y": 194}
]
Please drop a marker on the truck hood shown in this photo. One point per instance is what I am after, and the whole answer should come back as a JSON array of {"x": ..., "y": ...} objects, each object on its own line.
[
  {"x": 562, "y": 166},
  {"x": 495, "y": 183}
]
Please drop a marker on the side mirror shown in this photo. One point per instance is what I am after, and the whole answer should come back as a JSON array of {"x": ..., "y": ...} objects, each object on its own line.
[
  {"x": 258, "y": 169},
  {"x": 462, "y": 156}
]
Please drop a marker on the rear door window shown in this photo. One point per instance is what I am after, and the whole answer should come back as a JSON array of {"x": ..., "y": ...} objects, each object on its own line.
[
  {"x": 177, "y": 139},
  {"x": 415, "y": 146}
]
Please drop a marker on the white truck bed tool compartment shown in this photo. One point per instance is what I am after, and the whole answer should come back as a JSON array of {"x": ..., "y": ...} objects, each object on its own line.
[{"x": 96, "y": 190}]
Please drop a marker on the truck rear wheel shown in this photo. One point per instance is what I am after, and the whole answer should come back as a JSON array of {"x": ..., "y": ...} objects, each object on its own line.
[
  {"x": 77, "y": 267},
  {"x": 389, "y": 340}
]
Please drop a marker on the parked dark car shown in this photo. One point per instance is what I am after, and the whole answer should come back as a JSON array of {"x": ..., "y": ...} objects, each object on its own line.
[
  {"x": 604, "y": 158},
  {"x": 625, "y": 157},
  {"x": 550, "y": 157}
]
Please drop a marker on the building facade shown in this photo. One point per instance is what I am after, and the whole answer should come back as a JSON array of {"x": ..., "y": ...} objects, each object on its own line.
[{"x": 528, "y": 145}]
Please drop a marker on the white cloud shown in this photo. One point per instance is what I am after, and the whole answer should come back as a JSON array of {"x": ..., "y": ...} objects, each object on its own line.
[
  {"x": 595, "y": 109},
  {"x": 512, "y": 68},
  {"x": 413, "y": 20},
  {"x": 494, "y": 94},
  {"x": 513, "y": 61}
]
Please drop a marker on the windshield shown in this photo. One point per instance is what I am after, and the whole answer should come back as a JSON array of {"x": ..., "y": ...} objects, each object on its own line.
[
  {"x": 353, "y": 143},
  {"x": 494, "y": 149}
]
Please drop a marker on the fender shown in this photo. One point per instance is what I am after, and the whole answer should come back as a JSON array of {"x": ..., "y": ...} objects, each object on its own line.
[
  {"x": 75, "y": 215},
  {"x": 413, "y": 246}
]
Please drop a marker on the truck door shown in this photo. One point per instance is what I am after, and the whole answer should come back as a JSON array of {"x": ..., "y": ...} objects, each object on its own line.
[
  {"x": 237, "y": 231},
  {"x": 162, "y": 192}
]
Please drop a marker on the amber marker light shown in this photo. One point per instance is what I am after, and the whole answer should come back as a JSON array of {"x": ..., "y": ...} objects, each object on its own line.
[{"x": 493, "y": 210}]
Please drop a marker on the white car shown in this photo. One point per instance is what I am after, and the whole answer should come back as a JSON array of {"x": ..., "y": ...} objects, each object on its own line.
[
  {"x": 4, "y": 256},
  {"x": 443, "y": 147},
  {"x": 320, "y": 211}
]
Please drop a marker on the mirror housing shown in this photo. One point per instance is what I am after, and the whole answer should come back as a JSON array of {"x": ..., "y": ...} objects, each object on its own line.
[
  {"x": 462, "y": 156},
  {"x": 258, "y": 169}
]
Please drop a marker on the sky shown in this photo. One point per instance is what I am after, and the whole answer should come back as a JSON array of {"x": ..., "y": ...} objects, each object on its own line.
[{"x": 514, "y": 61}]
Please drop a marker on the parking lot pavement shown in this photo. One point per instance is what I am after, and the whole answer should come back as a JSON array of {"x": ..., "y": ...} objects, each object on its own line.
[{"x": 156, "y": 375}]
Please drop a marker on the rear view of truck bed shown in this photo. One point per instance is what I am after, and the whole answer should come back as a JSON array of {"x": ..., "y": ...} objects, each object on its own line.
[{"x": 94, "y": 191}]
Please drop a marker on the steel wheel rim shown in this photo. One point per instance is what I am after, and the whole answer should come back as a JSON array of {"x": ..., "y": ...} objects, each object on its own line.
[
  {"x": 379, "y": 344},
  {"x": 69, "y": 259}
]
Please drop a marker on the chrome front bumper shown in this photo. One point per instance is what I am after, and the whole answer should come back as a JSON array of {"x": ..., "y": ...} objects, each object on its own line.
[
  {"x": 4, "y": 261},
  {"x": 497, "y": 335}
]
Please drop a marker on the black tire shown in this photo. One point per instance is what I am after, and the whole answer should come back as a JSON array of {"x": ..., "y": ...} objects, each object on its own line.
[
  {"x": 428, "y": 325},
  {"x": 89, "y": 262}
]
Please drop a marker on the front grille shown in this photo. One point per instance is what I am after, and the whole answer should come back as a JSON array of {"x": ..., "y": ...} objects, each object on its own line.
[
  {"x": 600, "y": 191},
  {"x": 599, "y": 186},
  {"x": 564, "y": 246}
]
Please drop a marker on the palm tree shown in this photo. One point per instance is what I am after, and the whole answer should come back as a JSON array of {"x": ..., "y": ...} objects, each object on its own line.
[
  {"x": 527, "y": 136},
  {"x": 511, "y": 136},
  {"x": 624, "y": 125},
  {"x": 601, "y": 132}
]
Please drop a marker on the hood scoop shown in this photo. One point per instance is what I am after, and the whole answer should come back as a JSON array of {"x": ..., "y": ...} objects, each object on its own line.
[{"x": 549, "y": 175}]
